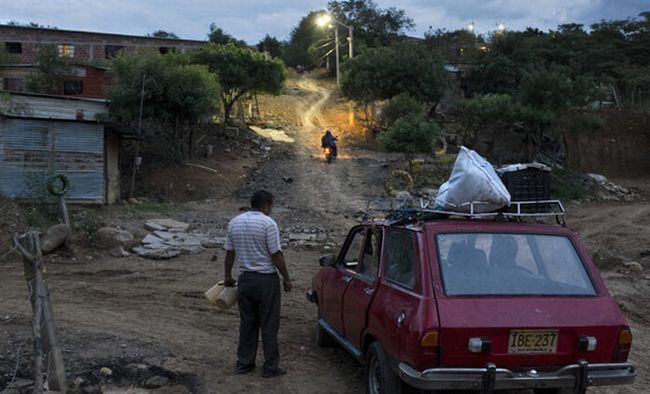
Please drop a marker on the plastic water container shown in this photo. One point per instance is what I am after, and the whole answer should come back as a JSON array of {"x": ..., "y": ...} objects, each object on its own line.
[{"x": 224, "y": 297}]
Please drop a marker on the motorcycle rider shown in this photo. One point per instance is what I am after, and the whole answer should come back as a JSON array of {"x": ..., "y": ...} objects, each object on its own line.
[{"x": 329, "y": 141}]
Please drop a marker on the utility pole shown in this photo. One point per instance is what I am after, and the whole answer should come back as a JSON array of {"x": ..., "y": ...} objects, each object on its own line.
[
  {"x": 137, "y": 142},
  {"x": 338, "y": 63},
  {"x": 350, "y": 51}
]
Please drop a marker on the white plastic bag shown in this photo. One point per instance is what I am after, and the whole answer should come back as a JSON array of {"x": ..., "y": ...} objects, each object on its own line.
[{"x": 472, "y": 180}]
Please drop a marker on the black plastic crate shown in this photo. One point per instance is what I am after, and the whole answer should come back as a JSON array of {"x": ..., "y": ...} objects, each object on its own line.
[{"x": 527, "y": 182}]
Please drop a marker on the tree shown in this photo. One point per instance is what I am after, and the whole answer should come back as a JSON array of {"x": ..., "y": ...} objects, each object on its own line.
[
  {"x": 307, "y": 42},
  {"x": 218, "y": 36},
  {"x": 176, "y": 94},
  {"x": 373, "y": 26},
  {"x": 411, "y": 134},
  {"x": 382, "y": 73},
  {"x": 241, "y": 71},
  {"x": 163, "y": 34},
  {"x": 49, "y": 68},
  {"x": 400, "y": 106},
  {"x": 271, "y": 45}
]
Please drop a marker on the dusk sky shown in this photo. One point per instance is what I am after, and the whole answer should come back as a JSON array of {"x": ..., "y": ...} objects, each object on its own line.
[{"x": 252, "y": 19}]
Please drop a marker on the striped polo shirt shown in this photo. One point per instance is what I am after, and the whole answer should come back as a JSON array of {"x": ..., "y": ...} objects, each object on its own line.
[{"x": 254, "y": 237}]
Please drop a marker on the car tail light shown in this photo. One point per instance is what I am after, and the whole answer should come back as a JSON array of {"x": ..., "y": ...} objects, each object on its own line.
[
  {"x": 430, "y": 342},
  {"x": 623, "y": 345}
]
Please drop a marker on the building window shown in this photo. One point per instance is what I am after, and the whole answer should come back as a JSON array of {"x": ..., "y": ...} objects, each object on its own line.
[
  {"x": 72, "y": 87},
  {"x": 111, "y": 51},
  {"x": 13, "y": 84},
  {"x": 66, "y": 50},
  {"x": 13, "y": 47}
]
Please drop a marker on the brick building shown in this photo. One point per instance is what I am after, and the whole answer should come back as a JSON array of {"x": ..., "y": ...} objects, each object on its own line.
[{"x": 87, "y": 52}]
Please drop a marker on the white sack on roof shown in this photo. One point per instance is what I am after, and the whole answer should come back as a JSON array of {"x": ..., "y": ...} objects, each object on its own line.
[{"x": 472, "y": 179}]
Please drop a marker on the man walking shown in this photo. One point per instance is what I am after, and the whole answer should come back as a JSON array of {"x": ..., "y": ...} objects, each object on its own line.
[{"x": 254, "y": 240}]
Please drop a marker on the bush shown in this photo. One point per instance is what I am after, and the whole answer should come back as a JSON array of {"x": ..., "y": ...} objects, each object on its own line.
[
  {"x": 400, "y": 106},
  {"x": 410, "y": 134}
]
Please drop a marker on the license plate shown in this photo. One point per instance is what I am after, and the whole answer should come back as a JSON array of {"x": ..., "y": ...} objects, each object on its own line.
[{"x": 533, "y": 341}]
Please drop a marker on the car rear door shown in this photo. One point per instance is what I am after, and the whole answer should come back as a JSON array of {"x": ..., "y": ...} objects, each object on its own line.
[
  {"x": 362, "y": 287},
  {"x": 339, "y": 277}
]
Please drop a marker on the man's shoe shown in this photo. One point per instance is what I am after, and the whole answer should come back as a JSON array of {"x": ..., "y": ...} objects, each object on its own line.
[
  {"x": 242, "y": 369},
  {"x": 274, "y": 373}
]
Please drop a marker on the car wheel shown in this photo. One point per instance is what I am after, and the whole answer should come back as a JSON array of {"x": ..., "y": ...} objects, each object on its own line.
[
  {"x": 380, "y": 378},
  {"x": 323, "y": 338}
]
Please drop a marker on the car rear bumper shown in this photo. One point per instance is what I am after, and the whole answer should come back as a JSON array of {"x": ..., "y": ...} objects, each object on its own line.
[{"x": 576, "y": 376}]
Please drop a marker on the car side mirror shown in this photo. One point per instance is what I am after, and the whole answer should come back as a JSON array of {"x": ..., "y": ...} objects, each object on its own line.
[{"x": 327, "y": 261}]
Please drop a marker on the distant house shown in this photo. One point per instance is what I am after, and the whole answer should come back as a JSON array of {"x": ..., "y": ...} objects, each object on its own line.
[
  {"x": 42, "y": 135},
  {"x": 87, "y": 51}
]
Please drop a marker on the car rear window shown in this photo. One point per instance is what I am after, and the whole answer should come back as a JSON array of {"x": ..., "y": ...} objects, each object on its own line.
[{"x": 511, "y": 264}]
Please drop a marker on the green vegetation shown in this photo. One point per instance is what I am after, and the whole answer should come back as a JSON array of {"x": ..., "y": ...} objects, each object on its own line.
[
  {"x": 216, "y": 35},
  {"x": 271, "y": 45},
  {"x": 383, "y": 73},
  {"x": 49, "y": 67},
  {"x": 241, "y": 72},
  {"x": 399, "y": 106},
  {"x": 410, "y": 134},
  {"x": 373, "y": 26},
  {"x": 176, "y": 95}
]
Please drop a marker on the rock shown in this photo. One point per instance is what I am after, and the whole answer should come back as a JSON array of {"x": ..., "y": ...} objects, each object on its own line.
[
  {"x": 54, "y": 237},
  {"x": 301, "y": 237},
  {"x": 118, "y": 252},
  {"x": 110, "y": 237},
  {"x": 105, "y": 371},
  {"x": 162, "y": 253},
  {"x": 600, "y": 179},
  {"x": 167, "y": 224},
  {"x": 213, "y": 243},
  {"x": 155, "y": 382},
  {"x": 287, "y": 179},
  {"x": 634, "y": 266}
]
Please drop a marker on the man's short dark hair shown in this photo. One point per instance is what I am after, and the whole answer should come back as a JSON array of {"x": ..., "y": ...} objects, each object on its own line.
[{"x": 260, "y": 199}]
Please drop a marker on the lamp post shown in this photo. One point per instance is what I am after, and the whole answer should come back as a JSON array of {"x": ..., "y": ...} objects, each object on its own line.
[{"x": 327, "y": 20}]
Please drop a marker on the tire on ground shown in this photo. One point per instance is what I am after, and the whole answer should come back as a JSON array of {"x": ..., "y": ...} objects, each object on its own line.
[
  {"x": 389, "y": 182},
  {"x": 379, "y": 372}
]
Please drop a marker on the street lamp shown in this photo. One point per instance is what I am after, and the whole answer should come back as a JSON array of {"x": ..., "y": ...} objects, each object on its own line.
[
  {"x": 501, "y": 27},
  {"x": 326, "y": 19},
  {"x": 471, "y": 27}
]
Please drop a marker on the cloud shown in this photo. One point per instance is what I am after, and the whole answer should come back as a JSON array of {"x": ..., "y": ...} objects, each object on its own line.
[{"x": 252, "y": 19}]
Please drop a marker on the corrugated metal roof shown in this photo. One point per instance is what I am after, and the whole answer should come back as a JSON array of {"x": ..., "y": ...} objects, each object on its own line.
[
  {"x": 55, "y": 107},
  {"x": 32, "y": 150}
]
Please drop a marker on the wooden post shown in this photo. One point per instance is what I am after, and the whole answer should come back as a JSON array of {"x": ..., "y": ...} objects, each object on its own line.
[{"x": 43, "y": 318}]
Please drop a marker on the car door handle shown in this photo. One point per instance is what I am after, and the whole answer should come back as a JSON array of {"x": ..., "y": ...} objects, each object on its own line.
[
  {"x": 347, "y": 279},
  {"x": 400, "y": 319},
  {"x": 369, "y": 291}
]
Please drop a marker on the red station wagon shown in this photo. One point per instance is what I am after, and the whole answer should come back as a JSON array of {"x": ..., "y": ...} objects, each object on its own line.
[{"x": 471, "y": 304}]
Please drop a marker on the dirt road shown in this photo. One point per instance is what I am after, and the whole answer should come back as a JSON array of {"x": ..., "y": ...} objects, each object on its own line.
[{"x": 141, "y": 317}]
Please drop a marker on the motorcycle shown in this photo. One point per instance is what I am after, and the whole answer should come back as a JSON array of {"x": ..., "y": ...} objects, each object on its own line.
[{"x": 329, "y": 154}]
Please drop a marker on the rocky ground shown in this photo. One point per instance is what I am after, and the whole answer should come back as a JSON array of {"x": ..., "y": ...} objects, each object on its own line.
[{"x": 138, "y": 325}]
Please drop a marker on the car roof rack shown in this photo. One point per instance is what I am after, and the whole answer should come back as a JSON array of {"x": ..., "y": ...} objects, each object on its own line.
[{"x": 426, "y": 209}]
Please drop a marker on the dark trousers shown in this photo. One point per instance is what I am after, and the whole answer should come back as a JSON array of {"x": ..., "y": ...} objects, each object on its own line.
[{"x": 259, "y": 308}]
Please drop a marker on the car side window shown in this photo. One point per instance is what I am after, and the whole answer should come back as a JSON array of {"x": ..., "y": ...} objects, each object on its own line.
[
  {"x": 371, "y": 254},
  {"x": 400, "y": 265},
  {"x": 353, "y": 252}
]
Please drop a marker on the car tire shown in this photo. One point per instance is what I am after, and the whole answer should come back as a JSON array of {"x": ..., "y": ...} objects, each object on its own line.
[
  {"x": 323, "y": 338},
  {"x": 380, "y": 378}
]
